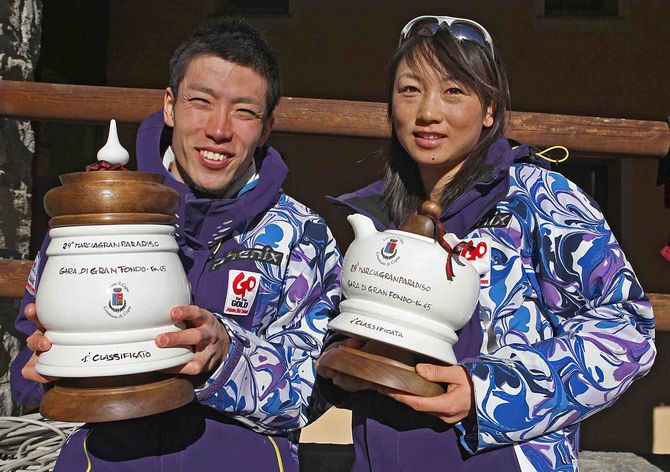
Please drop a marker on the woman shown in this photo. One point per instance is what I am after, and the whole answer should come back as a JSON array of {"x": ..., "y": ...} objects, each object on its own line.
[{"x": 563, "y": 326}]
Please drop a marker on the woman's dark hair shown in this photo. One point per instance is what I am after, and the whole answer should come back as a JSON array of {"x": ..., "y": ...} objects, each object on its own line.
[
  {"x": 473, "y": 67},
  {"x": 235, "y": 41}
]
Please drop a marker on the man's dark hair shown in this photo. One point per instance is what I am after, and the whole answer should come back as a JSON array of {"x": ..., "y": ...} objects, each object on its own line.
[{"x": 235, "y": 41}]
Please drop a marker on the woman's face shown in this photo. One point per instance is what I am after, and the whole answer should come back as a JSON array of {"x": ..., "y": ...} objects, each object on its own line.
[{"x": 437, "y": 120}]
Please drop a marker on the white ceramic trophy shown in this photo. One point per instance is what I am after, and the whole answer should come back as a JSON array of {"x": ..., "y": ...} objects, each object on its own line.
[
  {"x": 407, "y": 296},
  {"x": 111, "y": 277}
]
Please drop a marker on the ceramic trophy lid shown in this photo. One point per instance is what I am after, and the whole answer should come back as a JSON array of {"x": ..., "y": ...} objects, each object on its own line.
[{"x": 109, "y": 194}]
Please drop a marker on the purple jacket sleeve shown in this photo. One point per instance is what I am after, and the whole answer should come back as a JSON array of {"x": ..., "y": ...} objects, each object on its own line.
[
  {"x": 597, "y": 326},
  {"x": 26, "y": 392}
]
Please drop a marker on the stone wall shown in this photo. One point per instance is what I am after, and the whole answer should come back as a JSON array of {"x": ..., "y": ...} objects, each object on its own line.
[{"x": 20, "y": 32}]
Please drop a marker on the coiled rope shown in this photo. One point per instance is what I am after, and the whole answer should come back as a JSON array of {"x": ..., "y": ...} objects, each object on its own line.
[{"x": 31, "y": 442}]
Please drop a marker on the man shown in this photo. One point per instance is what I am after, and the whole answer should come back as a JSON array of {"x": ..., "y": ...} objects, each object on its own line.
[{"x": 258, "y": 366}]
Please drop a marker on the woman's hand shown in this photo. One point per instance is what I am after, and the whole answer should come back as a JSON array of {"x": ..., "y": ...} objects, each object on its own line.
[
  {"x": 204, "y": 332},
  {"x": 344, "y": 381},
  {"x": 453, "y": 405},
  {"x": 38, "y": 343}
]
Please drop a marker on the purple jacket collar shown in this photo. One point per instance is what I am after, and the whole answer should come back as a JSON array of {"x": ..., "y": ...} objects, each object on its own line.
[
  {"x": 468, "y": 209},
  {"x": 152, "y": 140}
]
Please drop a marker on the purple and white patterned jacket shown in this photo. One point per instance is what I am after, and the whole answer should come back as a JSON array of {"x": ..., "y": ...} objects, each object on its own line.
[{"x": 563, "y": 330}]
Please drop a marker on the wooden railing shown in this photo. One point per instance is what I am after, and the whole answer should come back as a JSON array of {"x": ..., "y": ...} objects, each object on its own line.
[
  {"x": 13, "y": 277},
  {"x": 89, "y": 104}
]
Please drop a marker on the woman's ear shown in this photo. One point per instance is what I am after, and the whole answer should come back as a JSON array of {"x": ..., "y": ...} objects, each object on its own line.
[{"x": 487, "y": 122}]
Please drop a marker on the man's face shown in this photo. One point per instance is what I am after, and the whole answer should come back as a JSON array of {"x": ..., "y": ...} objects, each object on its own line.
[{"x": 218, "y": 121}]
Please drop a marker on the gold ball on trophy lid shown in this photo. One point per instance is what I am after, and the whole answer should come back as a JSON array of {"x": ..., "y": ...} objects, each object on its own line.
[{"x": 111, "y": 277}]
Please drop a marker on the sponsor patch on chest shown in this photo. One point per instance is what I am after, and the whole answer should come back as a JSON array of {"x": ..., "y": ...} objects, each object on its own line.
[
  {"x": 242, "y": 290},
  {"x": 266, "y": 254},
  {"x": 478, "y": 252},
  {"x": 496, "y": 219}
]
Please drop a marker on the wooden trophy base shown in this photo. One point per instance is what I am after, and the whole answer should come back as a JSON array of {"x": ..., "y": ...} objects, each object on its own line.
[
  {"x": 380, "y": 370},
  {"x": 381, "y": 363},
  {"x": 100, "y": 399}
]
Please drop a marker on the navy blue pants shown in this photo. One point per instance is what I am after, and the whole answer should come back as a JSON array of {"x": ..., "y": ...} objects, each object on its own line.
[{"x": 191, "y": 438}]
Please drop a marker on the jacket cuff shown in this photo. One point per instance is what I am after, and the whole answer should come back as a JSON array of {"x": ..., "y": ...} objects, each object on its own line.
[
  {"x": 468, "y": 429},
  {"x": 468, "y": 434},
  {"x": 221, "y": 375},
  {"x": 331, "y": 393},
  {"x": 24, "y": 392}
]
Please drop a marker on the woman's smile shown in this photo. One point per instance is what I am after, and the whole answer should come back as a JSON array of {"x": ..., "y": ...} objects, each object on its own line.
[{"x": 429, "y": 140}]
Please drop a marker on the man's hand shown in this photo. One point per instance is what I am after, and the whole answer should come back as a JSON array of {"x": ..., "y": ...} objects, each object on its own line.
[
  {"x": 344, "y": 381},
  {"x": 204, "y": 332},
  {"x": 38, "y": 343},
  {"x": 453, "y": 405}
]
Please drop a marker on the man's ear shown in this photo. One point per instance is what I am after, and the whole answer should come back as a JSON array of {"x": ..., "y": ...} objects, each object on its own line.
[
  {"x": 267, "y": 128},
  {"x": 168, "y": 107},
  {"x": 487, "y": 122}
]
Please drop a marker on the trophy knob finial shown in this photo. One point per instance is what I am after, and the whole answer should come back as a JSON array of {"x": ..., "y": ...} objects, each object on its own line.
[
  {"x": 430, "y": 208},
  {"x": 422, "y": 222},
  {"x": 112, "y": 151}
]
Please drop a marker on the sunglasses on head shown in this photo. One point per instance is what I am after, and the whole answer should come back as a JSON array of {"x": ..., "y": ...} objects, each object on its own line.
[{"x": 460, "y": 28}]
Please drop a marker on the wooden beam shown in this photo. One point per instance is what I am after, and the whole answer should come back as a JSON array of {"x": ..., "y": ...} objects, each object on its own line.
[
  {"x": 13, "y": 277},
  {"x": 592, "y": 134},
  {"x": 661, "y": 304},
  {"x": 77, "y": 103},
  {"x": 91, "y": 104}
]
